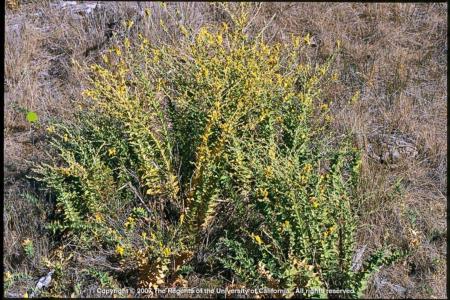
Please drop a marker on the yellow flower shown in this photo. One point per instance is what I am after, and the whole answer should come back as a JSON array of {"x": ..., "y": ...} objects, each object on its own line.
[
  {"x": 87, "y": 93},
  {"x": 297, "y": 42},
  {"x": 330, "y": 230},
  {"x": 219, "y": 39},
  {"x": 120, "y": 250},
  {"x": 312, "y": 200},
  {"x": 265, "y": 193},
  {"x": 272, "y": 153},
  {"x": 118, "y": 51},
  {"x": 335, "y": 76},
  {"x": 307, "y": 168},
  {"x": 184, "y": 31},
  {"x": 268, "y": 171},
  {"x": 156, "y": 56},
  {"x": 285, "y": 225},
  {"x": 308, "y": 39},
  {"x": 225, "y": 26},
  {"x": 51, "y": 129},
  {"x": 205, "y": 72},
  {"x": 258, "y": 239},
  {"x": 105, "y": 58},
  {"x": 129, "y": 24},
  {"x": 8, "y": 275},
  {"x": 98, "y": 217},
  {"x": 214, "y": 116},
  {"x": 27, "y": 242},
  {"x": 130, "y": 222},
  {"x": 355, "y": 97},
  {"x": 127, "y": 43},
  {"x": 181, "y": 218},
  {"x": 166, "y": 252},
  {"x": 112, "y": 151},
  {"x": 121, "y": 90}
]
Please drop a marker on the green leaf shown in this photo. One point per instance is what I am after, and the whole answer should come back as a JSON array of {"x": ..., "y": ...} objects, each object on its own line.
[{"x": 32, "y": 117}]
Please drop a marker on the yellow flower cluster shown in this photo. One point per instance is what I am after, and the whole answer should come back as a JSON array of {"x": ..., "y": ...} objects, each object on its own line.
[
  {"x": 257, "y": 239},
  {"x": 120, "y": 250}
]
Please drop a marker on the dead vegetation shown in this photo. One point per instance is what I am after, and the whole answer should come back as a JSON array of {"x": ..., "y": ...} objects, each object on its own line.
[{"x": 393, "y": 66}]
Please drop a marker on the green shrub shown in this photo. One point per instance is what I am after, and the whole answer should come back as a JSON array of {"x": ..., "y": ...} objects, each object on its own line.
[{"x": 217, "y": 147}]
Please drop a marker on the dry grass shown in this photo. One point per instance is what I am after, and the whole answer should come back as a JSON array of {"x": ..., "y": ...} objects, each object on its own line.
[{"x": 394, "y": 54}]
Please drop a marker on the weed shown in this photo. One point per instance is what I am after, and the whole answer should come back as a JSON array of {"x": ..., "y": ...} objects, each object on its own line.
[
  {"x": 28, "y": 247},
  {"x": 171, "y": 138}
]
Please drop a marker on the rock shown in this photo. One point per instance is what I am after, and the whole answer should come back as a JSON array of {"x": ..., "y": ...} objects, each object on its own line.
[
  {"x": 395, "y": 156},
  {"x": 43, "y": 282},
  {"x": 391, "y": 148},
  {"x": 357, "y": 259},
  {"x": 79, "y": 8}
]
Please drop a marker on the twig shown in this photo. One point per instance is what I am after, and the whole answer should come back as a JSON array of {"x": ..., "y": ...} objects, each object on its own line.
[
  {"x": 266, "y": 26},
  {"x": 137, "y": 194}
]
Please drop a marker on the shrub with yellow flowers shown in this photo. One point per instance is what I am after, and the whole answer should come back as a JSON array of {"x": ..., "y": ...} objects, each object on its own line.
[{"x": 210, "y": 152}]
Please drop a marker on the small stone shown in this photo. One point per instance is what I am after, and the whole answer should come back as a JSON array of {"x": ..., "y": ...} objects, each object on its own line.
[{"x": 395, "y": 156}]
